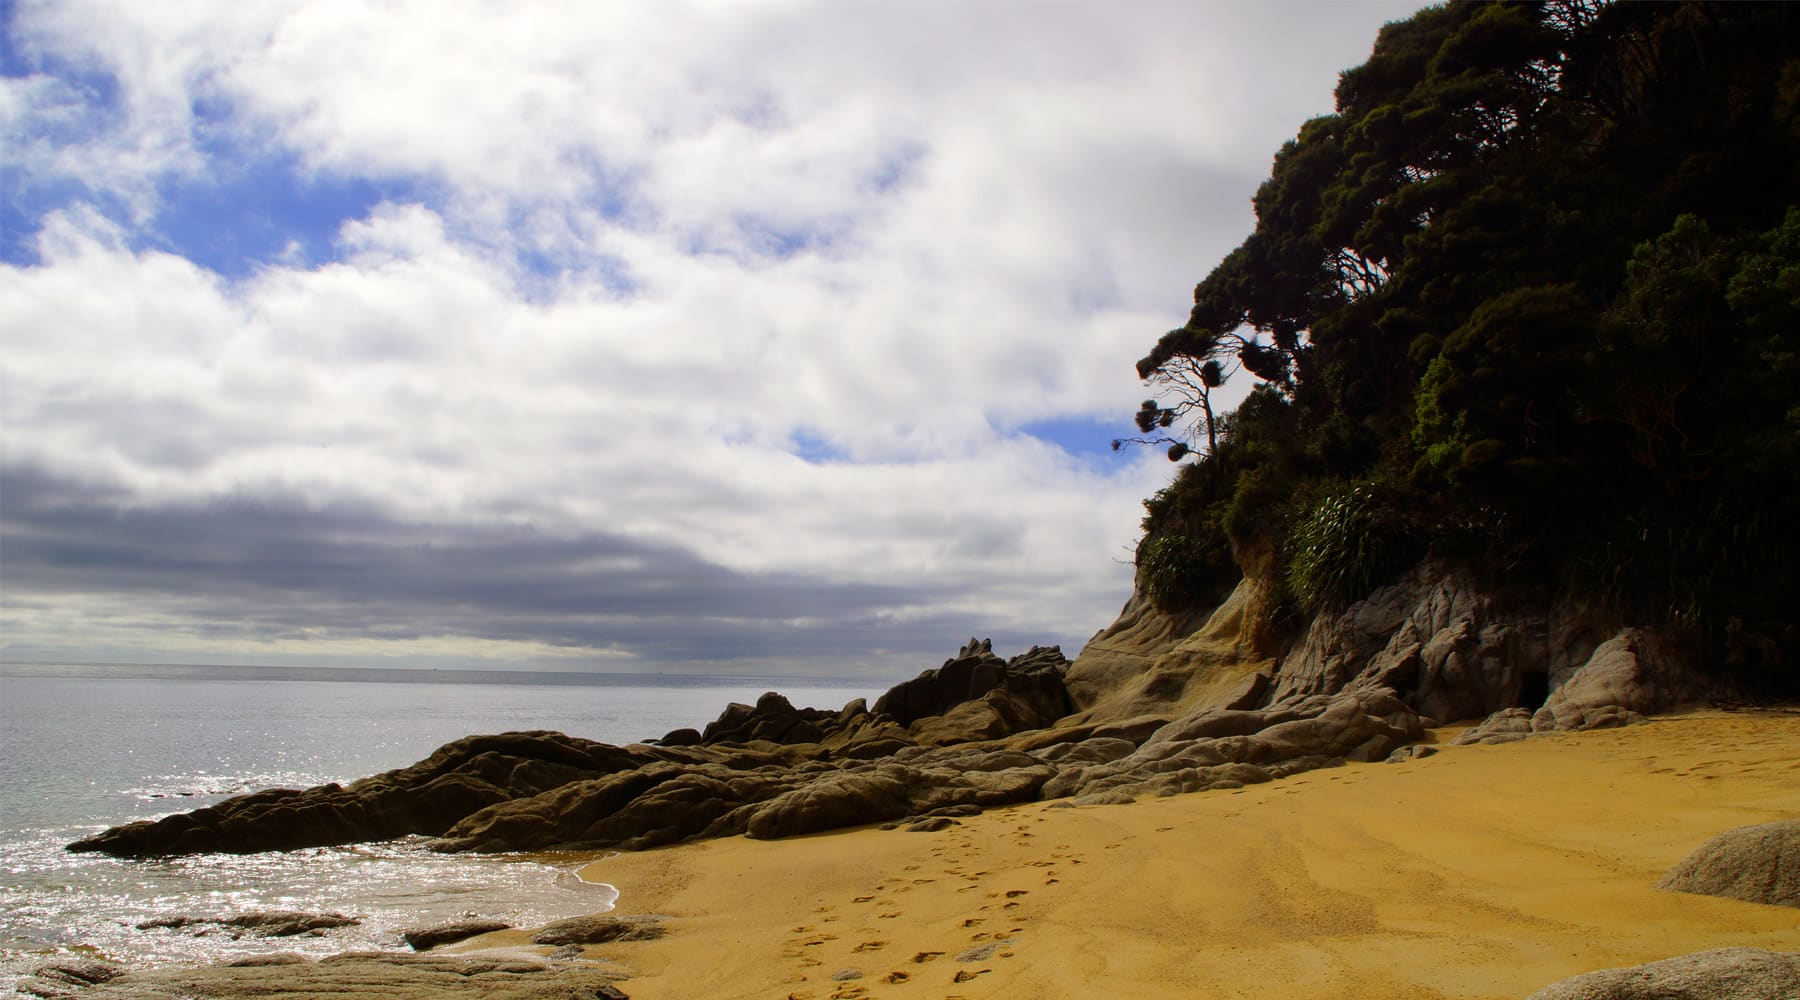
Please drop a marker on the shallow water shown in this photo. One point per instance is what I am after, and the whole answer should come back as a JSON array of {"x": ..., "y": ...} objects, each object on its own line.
[{"x": 79, "y": 753}]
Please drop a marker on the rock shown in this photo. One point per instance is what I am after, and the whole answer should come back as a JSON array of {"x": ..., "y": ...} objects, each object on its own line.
[
  {"x": 1509, "y": 725},
  {"x": 364, "y": 975},
  {"x": 1154, "y": 663},
  {"x": 1635, "y": 673},
  {"x": 1757, "y": 864},
  {"x": 1452, "y": 648},
  {"x": 976, "y": 695},
  {"x": 79, "y": 971},
  {"x": 1416, "y": 751},
  {"x": 846, "y": 975},
  {"x": 1723, "y": 974},
  {"x": 264, "y": 923},
  {"x": 427, "y": 938},
  {"x": 599, "y": 928},
  {"x": 427, "y": 798}
]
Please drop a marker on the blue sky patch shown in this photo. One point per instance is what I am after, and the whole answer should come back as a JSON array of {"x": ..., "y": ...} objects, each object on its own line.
[
  {"x": 1083, "y": 437},
  {"x": 814, "y": 448}
]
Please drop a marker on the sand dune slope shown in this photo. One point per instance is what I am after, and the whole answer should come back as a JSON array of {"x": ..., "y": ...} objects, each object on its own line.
[{"x": 1487, "y": 871}]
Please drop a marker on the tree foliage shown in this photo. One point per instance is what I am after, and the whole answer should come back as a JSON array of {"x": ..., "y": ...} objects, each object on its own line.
[{"x": 1538, "y": 273}]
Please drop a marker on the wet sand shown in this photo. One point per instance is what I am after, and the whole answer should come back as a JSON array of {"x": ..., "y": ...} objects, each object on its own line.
[{"x": 1476, "y": 872}]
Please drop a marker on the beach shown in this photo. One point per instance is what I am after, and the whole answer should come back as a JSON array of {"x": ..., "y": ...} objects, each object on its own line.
[{"x": 1478, "y": 871}]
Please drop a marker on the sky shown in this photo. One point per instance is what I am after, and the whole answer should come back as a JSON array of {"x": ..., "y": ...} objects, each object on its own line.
[{"x": 761, "y": 337}]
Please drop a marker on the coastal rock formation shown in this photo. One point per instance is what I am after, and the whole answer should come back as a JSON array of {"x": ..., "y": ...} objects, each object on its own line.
[
  {"x": 1144, "y": 710},
  {"x": 450, "y": 932},
  {"x": 1757, "y": 864},
  {"x": 1722, "y": 974},
  {"x": 357, "y": 974}
]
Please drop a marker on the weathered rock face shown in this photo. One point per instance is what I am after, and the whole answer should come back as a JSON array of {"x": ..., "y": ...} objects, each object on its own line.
[
  {"x": 977, "y": 695},
  {"x": 1723, "y": 974},
  {"x": 1445, "y": 645},
  {"x": 397, "y": 976},
  {"x": 1757, "y": 864}
]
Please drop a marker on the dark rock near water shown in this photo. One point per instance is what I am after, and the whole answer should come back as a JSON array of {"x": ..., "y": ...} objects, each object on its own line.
[
  {"x": 450, "y": 932},
  {"x": 261, "y": 923}
]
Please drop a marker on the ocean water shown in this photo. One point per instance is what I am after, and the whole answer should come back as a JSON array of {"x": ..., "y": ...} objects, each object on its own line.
[{"x": 82, "y": 749}]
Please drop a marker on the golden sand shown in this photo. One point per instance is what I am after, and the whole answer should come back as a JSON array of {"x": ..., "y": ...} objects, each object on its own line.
[{"x": 1477, "y": 872}]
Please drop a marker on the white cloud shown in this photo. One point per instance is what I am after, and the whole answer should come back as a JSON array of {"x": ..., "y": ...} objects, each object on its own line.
[{"x": 653, "y": 244}]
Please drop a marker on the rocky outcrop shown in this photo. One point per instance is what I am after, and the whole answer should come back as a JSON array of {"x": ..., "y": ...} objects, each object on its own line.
[
  {"x": 977, "y": 695},
  {"x": 1448, "y": 646},
  {"x": 450, "y": 932},
  {"x": 426, "y": 798},
  {"x": 543, "y": 789},
  {"x": 1757, "y": 864},
  {"x": 1722, "y": 974},
  {"x": 1145, "y": 710},
  {"x": 367, "y": 975}
]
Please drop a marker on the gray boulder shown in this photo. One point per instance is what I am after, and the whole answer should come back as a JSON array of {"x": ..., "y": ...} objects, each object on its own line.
[
  {"x": 1724, "y": 974},
  {"x": 1757, "y": 864}
]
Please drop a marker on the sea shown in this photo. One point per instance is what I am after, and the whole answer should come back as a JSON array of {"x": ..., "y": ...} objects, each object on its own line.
[{"x": 86, "y": 747}]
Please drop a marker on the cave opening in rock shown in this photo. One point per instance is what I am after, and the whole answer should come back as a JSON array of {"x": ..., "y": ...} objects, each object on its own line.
[{"x": 1534, "y": 690}]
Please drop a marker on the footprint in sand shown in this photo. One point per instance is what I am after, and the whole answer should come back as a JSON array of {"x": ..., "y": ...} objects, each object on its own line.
[
  {"x": 870, "y": 946},
  {"x": 972, "y": 922},
  {"x": 927, "y": 956},
  {"x": 964, "y": 975},
  {"x": 895, "y": 977}
]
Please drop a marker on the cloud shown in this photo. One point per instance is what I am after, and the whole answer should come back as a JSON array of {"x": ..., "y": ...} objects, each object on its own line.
[{"x": 618, "y": 313}]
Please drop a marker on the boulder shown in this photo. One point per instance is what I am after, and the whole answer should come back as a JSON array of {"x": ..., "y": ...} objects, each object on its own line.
[
  {"x": 1722, "y": 974},
  {"x": 1635, "y": 673},
  {"x": 450, "y": 932},
  {"x": 599, "y": 928},
  {"x": 1757, "y": 864}
]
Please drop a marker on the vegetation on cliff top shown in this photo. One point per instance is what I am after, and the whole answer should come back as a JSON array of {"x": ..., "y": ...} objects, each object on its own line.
[{"x": 1529, "y": 299}]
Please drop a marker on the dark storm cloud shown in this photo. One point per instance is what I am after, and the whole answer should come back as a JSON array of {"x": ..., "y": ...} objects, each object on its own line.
[{"x": 274, "y": 567}]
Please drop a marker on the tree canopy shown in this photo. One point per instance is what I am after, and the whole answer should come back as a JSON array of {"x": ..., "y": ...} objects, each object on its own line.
[{"x": 1529, "y": 298}]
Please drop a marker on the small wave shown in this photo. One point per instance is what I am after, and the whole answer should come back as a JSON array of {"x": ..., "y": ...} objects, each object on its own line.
[{"x": 206, "y": 785}]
